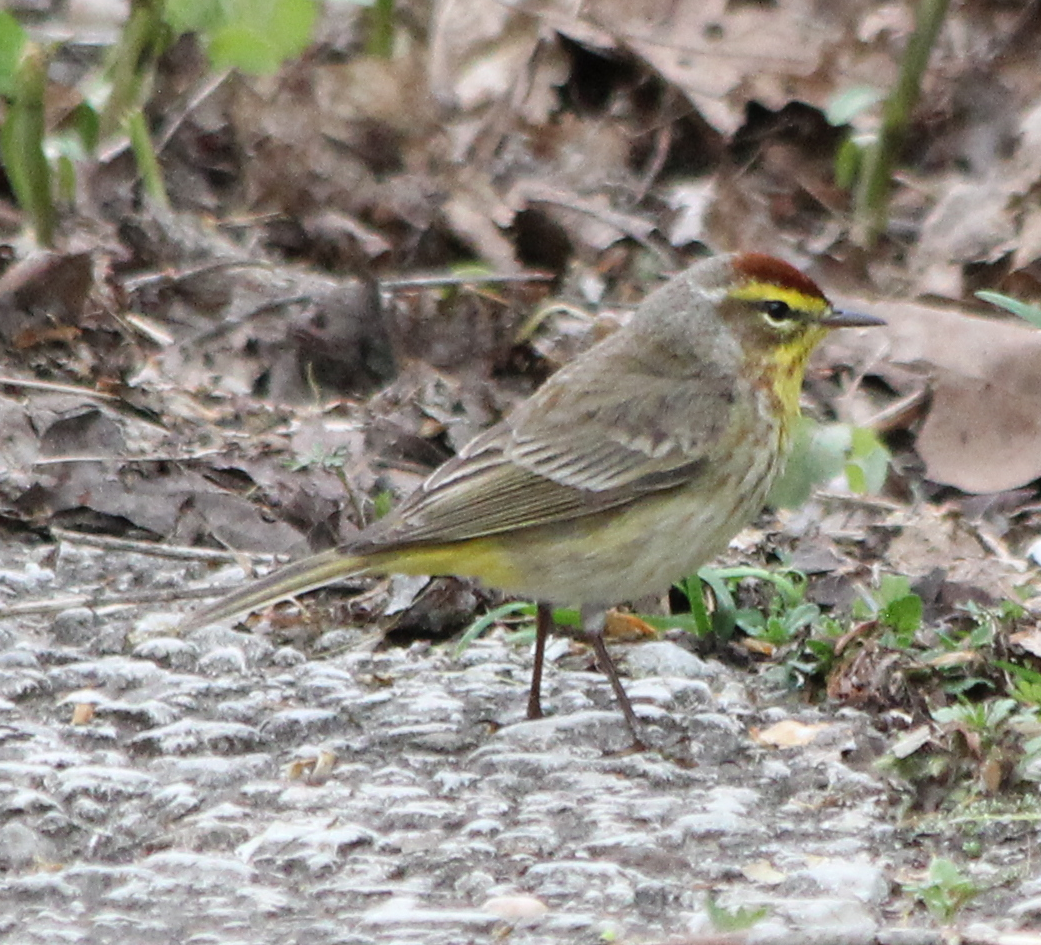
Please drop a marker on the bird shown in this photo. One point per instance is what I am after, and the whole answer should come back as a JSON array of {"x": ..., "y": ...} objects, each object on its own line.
[{"x": 628, "y": 469}]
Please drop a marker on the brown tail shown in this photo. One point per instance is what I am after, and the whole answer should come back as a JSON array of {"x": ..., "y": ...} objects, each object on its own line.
[{"x": 295, "y": 578}]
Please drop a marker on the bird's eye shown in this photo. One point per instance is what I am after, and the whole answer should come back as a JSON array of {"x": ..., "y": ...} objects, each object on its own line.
[{"x": 778, "y": 312}]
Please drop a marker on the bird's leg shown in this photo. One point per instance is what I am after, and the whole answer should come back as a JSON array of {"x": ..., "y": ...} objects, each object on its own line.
[
  {"x": 543, "y": 624},
  {"x": 593, "y": 620}
]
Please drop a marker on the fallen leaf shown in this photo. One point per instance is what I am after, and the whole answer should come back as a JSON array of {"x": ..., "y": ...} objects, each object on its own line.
[
  {"x": 1029, "y": 640},
  {"x": 82, "y": 713},
  {"x": 755, "y": 645},
  {"x": 629, "y": 627},
  {"x": 958, "y": 658},
  {"x": 516, "y": 907},
  {"x": 983, "y": 429},
  {"x": 763, "y": 871},
  {"x": 911, "y": 741},
  {"x": 788, "y": 734}
]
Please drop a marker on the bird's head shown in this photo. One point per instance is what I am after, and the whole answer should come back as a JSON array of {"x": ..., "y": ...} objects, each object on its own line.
[{"x": 779, "y": 315}]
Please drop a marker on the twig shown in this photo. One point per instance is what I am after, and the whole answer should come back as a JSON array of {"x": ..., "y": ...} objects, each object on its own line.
[
  {"x": 173, "y": 276},
  {"x": 145, "y": 458},
  {"x": 418, "y": 282},
  {"x": 177, "y": 552},
  {"x": 174, "y": 122},
  {"x": 7, "y": 380},
  {"x": 95, "y": 601}
]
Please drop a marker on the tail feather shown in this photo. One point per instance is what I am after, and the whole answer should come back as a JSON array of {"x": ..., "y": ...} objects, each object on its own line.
[{"x": 295, "y": 578}]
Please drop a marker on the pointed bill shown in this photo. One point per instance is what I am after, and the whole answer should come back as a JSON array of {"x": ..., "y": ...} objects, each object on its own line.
[{"x": 839, "y": 319}]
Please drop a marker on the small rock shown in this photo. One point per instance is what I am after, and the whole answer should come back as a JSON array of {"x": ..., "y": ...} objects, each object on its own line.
[
  {"x": 76, "y": 626},
  {"x": 21, "y": 846},
  {"x": 910, "y": 937},
  {"x": 224, "y": 661},
  {"x": 863, "y": 881},
  {"x": 666, "y": 659},
  {"x": 168, "y": 651}
]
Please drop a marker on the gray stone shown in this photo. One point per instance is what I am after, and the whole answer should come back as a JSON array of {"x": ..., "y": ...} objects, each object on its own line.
[
  {"x": 76, "y": 626},
  {"x": 20, "y": 847},
  {"x": 663, "y": 658}
]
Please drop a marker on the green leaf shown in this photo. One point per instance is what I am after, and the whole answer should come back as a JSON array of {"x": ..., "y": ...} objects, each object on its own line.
[
  {"x": 483, "y": 622},
  {"x": 198, "y": 16},
  {"x": 87, "y": 124},
  {"x": 848, "y": 160},
  {"x": 733, "y": 920},
  {"x": 242, "y": 47},
  {"x": 693, "y": 589},
  {"x": 258, "y": 37},
  {"x": 724, "y": 617},
  {"x": 1031, "y": 313},
  {"x": 381, "y": 29},
  {"x": 845, "y": 106},
  {"x": 819, "y": 452},
  {"x": 869, "y": 461},
  {"x": 21, "y": 144},
  {"x": 892, "y": 587},
  {"x": 12, "y": 43},
  {"x": 904, "y": 614}
]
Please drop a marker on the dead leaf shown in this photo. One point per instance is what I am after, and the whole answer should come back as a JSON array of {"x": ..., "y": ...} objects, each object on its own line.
[
  {"x": 983, "y": 430},
  {"x": 788, "y": 734},
  {"x": 516, "y": 907},
  {"x": 764, "y": 872},
  {"x": 755, "y": 645},
  {"x": 971, "y": 223},
  {"x": 927, "y": 536},
  {"x": 1029, "y": 640},
  {"x": 628, "y": 627},
  {"x": 82, "y": 713},
  {"x": 957, "y": 658},
  {"x": 911, "y": 741}
]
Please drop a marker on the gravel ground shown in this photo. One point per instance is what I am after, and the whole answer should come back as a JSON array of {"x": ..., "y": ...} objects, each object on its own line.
[{"x": 221, "y": 789}]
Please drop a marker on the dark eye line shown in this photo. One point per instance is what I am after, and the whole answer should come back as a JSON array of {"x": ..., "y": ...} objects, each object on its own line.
[{"x": 780, "y": 311}]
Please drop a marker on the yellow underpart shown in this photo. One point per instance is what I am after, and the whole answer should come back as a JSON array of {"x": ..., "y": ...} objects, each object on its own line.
[
  {"x": 787, "y": 363},
  {"x": 487, "y": 559}
]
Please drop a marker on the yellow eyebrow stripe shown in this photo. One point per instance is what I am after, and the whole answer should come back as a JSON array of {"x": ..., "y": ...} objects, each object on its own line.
[{"x": 765, "y": 291}]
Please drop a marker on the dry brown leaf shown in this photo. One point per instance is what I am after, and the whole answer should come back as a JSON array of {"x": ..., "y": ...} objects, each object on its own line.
[
  {"x": 970, "y": 223},
  {"x": 83, "y": 713},
  {"x": 911, "y": 741},
  {"x": 477, "y": 50},
  {"x": 763, "y": 871},
  {"x": 788, "y": 733},
  {"x": 983, "y": 430},
  {"x": 1029, "y": 640},
  {"x": 762, "y": 647},
  {"x": 957, "y": 658},
  {"x": 715, "y": 48},
  {"x": 516, "y": 907},
  {"x": 621, "y": 626},
  {"x": 928, "y": 539}
]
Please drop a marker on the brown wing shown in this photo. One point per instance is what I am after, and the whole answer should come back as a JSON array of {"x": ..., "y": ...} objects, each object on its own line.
[{"x": 577, "y": 447}]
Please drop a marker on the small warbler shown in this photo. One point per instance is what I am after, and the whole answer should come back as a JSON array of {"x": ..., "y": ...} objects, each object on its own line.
[{"x": 627, "y": 470}]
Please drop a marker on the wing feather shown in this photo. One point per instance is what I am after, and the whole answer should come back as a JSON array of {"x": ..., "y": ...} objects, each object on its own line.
[{"x": 584, "y": 443}]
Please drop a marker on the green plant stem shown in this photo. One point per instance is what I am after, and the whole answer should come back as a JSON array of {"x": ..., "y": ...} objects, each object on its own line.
[
  {"x": 21, "y": 141},
  {"x": 147, "y": 161},
  {"x": 696, "y": 598},
  {"x": 872, "y": 201},
  {"x": 381, "y": 29},
  {"x": 131, "y": 63}
]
